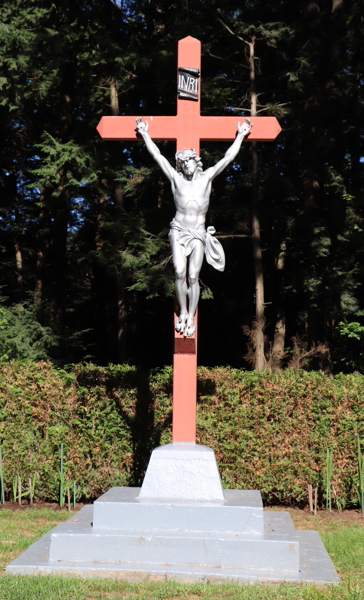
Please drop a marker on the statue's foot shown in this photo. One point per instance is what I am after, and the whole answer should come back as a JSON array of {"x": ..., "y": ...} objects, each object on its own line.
[
  {"x": 190, "y": 327},
  {"x": 181, "y": 323}
]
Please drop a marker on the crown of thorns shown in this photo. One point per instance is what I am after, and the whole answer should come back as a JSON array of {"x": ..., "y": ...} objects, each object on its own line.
[{"x": 184, "y": 155}]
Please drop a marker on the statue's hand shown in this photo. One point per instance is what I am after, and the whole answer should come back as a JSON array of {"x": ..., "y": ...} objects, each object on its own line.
[
  {"x": 246, "y": 127},
  {"x": 141, "y": 126}
]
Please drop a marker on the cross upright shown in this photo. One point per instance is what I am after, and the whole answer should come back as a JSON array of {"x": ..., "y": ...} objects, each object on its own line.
[{"x": 187, "y": 128}]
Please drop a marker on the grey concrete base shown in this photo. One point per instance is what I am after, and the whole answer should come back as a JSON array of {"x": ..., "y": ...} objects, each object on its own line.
[
  {"x": 184, "y": 471},
  {"x": 77, "y": 548},
  {"x": 158, "y": 532},
  {"x": 263, "y": 552},
  {"x": 123, "y": 508}
]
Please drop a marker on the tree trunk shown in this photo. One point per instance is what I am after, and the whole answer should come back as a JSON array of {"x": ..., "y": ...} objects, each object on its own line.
[
  {"x": 336, "y": 158},
  {"x": 39, "y": 285},
  {"x": 39, "y": 281},
  {"x": 257, "y": 249},
  {"x": 59, "y": 260},
  {"x": 122, "y": 311},
  {"x": 312, "y": 173},
  {"x": 280, "y": 329},
  {"x": 19, "y": 270},
  {"x": 99, "y": 285},
  {"x": 324, "y": 203},
  {"x": 19, "y": 288},
  {"x": 62, "y": 209}
]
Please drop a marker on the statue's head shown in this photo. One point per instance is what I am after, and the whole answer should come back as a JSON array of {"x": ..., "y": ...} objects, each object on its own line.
[{"x": 183, "y": 157}]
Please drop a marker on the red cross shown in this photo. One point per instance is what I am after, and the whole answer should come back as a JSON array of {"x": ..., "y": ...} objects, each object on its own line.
[{"x": 188, "y": 127}]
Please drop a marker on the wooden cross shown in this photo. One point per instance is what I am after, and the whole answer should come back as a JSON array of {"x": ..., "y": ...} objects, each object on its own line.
[{"x": 187, "y": 128}]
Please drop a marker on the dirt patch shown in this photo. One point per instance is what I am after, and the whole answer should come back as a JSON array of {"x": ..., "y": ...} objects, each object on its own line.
[
  {"x": 303, "y": 519},
  {"x": 25, "y": 506}
]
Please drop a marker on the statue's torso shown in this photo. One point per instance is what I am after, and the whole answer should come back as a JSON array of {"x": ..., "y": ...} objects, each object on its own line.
[{"x": 192, "y": 199}]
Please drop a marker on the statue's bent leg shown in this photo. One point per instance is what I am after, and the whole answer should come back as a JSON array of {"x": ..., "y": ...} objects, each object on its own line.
[
  {"x": 194, "y": 268},
  {"x": 180, "y": 269}
]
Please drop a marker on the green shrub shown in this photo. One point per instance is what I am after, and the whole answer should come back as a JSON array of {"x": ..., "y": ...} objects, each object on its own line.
[
  {"x": 21, "y": 335},
  {"x": 270, "y": 430}
]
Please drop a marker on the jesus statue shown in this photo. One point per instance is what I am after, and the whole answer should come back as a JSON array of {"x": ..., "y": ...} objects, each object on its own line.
[{"x": 190, "y": 240}]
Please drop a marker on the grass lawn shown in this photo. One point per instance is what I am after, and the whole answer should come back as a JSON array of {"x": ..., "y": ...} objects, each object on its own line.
[{"x": 342, "y": 535}]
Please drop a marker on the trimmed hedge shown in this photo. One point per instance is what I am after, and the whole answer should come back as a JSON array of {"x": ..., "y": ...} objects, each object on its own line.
[{"x": 270, "y": 430}]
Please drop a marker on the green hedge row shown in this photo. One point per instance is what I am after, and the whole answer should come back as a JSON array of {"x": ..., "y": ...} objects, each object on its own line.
[{"x": 270, "y": 430}]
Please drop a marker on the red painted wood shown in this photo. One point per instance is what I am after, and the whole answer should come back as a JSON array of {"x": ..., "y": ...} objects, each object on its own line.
[
  {"x": 184, "y": 385},
  {"x": 188, "y": 111},
  {"x": 187, "y": 135},
  {"x": 184, "y": 398}
]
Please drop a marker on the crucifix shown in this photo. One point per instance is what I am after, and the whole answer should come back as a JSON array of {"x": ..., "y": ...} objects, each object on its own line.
[{"x": 187, "y": 128}]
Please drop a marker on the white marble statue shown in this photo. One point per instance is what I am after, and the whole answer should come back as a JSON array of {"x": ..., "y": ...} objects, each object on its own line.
[{"x": 190, "y": 240}]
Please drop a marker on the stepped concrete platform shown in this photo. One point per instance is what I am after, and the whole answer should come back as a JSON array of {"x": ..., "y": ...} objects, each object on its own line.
[
  {"x": 124, "y": 508},
  {"x": 78, "y": 547}
]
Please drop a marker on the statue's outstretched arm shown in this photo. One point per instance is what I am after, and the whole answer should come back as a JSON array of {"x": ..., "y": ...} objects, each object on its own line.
[
  {"x": 142, "y": 128},
  {"x": 243, "y": 130}
]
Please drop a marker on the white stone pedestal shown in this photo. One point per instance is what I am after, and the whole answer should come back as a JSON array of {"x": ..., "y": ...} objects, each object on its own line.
[{"x": 182, "y": 471}]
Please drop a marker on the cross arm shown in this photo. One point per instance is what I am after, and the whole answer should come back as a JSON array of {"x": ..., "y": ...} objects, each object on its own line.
[
  {"x": 124, "y": 128},
  {"x": 224, "y": 128},
  {"x": 175, "y": 128}
]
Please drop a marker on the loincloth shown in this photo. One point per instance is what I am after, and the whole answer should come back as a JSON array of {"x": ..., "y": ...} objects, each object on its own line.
[{"x": 187, "y": 238}]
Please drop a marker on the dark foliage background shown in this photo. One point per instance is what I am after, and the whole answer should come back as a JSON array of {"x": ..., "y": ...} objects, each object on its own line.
[{"x": 85, "y": 268}]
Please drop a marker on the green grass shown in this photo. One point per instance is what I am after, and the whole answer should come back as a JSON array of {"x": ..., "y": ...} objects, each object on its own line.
[
  {"x": 343, "y": 540},
  {"x": 346, "y": 548},
  {"x": 20, "y": 528}
]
